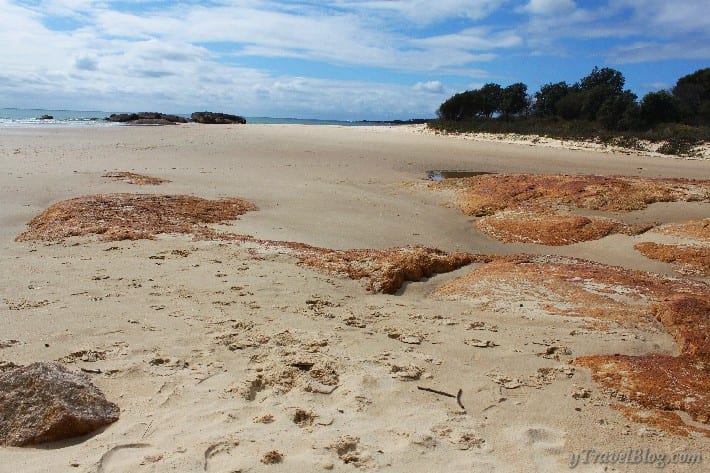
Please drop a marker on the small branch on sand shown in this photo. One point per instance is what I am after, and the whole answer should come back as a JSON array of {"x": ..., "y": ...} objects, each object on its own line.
[
  {"x": 91, "y": 370},
  {"x": 442, "y": 393}
]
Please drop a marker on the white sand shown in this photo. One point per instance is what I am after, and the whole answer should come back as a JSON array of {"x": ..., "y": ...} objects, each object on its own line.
[{"x": 337, "y": 187}]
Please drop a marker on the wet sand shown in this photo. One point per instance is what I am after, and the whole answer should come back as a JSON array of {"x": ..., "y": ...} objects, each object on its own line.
[{"x": 221, "y": 353}]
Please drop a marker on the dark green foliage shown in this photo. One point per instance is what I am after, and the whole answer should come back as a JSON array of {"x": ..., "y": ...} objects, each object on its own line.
[
  {"x": 548, "y": 96},
  {"x": 620, "y": 112},
  {"x": 491, "y": 95},
  {"x": 659, "y": 107},
  {"x": 603, "y": 88},
  {"x": 676, "y": 138},
  {"x": 608, "y": 79},
  {"x": 570, "y": 106},
  {"x": 462, "y": 106},
  {"x": 514, "y": 100},
  {"x": 693, "y": 94},
  {"x": 597, "y": 107}
]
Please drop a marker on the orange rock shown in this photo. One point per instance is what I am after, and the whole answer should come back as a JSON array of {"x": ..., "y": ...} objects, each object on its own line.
[
  {"x": 489, "y": 193},
  {"x": 686, "y": 259},
  {"x": 665, "y": 420},
  {"x": 547, "y": 228},
  {"x": 133, "y": 217},
  {"x": 527, "y": 207},
  {"x": 570, "y": 287},
  {"x": 688, "y": 320},
  {"x": 692, "y": 229},
  {"x": 386, "y": 270},
  {"x": 656, "y": 382}
]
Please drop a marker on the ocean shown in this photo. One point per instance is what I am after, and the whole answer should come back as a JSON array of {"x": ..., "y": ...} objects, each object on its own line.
[{"x": 24, "y": 118}]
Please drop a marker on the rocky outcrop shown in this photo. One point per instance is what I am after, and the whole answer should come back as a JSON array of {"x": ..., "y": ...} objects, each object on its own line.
[
  {"x": 45, "y": 402},
  {"x": 146, "y": 118},
  {"x": 117, "y": 217},
  {"x": 214, "y": 118}
]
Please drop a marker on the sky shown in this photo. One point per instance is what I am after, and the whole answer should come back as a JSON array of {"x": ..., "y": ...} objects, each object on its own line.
[{"x": 342, "y": 59}]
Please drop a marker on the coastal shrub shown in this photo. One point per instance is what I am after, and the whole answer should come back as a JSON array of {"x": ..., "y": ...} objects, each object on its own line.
[
  {"x": 596, "y": 106},
  {"x": 546, "y": 98},
  {"x": 659, "y": 107},
  {"x": 677, "y": 147}
]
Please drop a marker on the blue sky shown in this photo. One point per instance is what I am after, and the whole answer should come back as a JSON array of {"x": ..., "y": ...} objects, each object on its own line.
[{"x": 343, "y": 59}]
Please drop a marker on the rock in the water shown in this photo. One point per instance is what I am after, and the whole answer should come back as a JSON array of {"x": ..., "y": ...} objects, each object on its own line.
[
  {"x": 213, "y": 118},
  {"x": 46, "y": 117},
  {"x": 45, "y": 402},
  {"x": 146, "y": 118}
]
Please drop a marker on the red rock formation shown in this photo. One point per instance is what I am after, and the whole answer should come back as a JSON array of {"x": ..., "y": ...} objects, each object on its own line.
[{"x": 133, "y": 217}]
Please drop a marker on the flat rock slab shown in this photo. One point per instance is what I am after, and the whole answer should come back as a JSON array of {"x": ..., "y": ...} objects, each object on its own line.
[{"x": 45, "y": 402}]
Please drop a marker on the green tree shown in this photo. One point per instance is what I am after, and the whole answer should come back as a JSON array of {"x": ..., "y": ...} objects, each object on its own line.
[
  {"x": 693, "y": 94},
  {"x": 659, "y": 107},
  {"x": 619, "y": 112},
  {"x": 569, "y": 107},
  {"x": 462, "y": 106},
  {"x": 598, "y": 87},
  {"x": 514, "y": 100},
  {"x": 607, "y": 78},
  {"x": 547, "y": 97},
  {"x": 491, "y": 94}
]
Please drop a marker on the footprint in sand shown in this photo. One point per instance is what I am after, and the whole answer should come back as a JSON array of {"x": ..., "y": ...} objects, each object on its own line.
[
  {"x": 128, "y": 457},
  {"x": 218, "y": 455},
  {"x": 545, "y": 446}
]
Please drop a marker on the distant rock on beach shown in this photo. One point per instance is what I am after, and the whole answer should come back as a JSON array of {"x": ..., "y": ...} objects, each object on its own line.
[
  {"x": 147, "y": 118},
  {"x": 214, "y": 118},
  {"x": 45, "y": 402},
  {"x": 156, "y": 118}
]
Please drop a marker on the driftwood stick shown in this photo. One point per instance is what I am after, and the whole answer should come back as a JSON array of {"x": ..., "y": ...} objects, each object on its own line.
[
  {"x": 435, "y": 391},
  {"x": 458, "y": 399},
  {"x": 442, "y": 393}
]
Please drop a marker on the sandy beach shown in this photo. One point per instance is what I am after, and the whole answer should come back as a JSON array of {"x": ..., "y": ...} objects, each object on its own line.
[{"x": 236, "y": 355}]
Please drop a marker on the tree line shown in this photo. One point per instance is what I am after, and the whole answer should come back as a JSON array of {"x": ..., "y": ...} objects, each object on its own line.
[{"x": 599, "y": 97}]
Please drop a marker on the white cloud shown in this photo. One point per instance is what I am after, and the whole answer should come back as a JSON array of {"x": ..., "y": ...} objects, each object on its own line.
[
  {"x": 550, "y": 7},
  {"x": 426, "y": 11},
  {"x": 656, "y": 51},
  {"x": 432, "y": 87},
  {"x": 124, "y": 55},
  {"x": 472, "y": 39},
  {"x": 86, "y": 63}
]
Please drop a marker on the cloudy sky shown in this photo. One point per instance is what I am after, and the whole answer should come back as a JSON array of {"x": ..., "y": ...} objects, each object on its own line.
[{"x": 341, "y": 59}]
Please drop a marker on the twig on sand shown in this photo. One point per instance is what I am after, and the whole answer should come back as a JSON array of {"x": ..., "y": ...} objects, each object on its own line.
[
  {"x": 442, "y": 393},
  {"x": 91, "y": 370}
]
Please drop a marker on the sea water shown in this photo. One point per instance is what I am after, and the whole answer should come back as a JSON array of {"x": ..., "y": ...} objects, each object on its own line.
[{"x": 24, "y": 118}]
